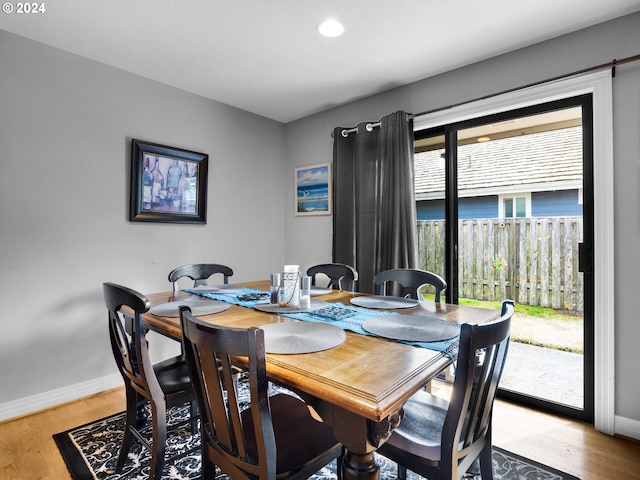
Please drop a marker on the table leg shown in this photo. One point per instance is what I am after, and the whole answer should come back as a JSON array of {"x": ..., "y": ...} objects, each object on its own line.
[
  {"x": 356, "y": 466},
  {"x": 361, "y": 438}
]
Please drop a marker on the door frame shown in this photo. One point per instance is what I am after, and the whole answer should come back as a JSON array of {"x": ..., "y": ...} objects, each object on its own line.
[{"x": 599, "y": 85}]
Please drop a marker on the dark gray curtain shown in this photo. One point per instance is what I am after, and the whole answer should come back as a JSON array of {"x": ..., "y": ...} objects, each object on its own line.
[{"x": 374, "y": 217}]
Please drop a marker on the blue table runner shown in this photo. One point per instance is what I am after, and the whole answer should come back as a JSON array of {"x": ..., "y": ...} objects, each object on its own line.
[{"x": 347, "y": 317}]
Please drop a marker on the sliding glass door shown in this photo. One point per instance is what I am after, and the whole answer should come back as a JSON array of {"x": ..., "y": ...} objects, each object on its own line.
[{"x": 510, "y": 199}]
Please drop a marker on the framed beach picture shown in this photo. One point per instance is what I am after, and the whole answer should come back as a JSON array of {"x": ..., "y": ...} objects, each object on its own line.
[
  {"x": 167, "y": 184},
  {"x": 313, "y": 189}
]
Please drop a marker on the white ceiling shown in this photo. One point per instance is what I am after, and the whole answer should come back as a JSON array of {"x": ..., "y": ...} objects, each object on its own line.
[{"x": 266, "y": 56}]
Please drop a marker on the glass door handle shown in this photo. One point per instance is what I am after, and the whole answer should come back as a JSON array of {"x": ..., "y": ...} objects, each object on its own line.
[{"x": 585, "y": 258}]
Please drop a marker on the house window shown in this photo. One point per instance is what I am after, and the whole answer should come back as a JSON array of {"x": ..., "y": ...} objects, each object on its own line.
[{"x": 515, "y": 206}]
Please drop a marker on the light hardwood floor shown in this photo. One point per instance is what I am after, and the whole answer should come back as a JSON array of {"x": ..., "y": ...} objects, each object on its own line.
[{"x": 28, "y": 452}]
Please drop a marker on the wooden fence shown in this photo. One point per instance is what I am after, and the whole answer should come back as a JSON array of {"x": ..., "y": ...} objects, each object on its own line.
[{"x": 533, "y": 261}]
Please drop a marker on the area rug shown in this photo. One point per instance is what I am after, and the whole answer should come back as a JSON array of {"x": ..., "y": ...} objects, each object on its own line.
[{"x": 91, "y": 451}]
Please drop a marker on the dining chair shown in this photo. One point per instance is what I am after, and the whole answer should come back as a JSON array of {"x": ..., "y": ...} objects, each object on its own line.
[
  {"x": 162, "y": 385},
  {"x": 341, "y": 276},
  {"x": 274, "y": 436},
  {"x": 440, "y": 439},
  {"x": 199, "y": 273},
  {"x": 404, "y": 282}
]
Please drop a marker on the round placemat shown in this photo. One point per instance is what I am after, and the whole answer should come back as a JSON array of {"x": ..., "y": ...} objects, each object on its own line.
[
  {"x": 320, "y": 291},
  {"x": 412, "y": 328},
  {"x": 198, "y": 307},
  {"x": 275, "y": 308},
  {"x": 301, "y": 337},
  {"x": 222, "y": 288},
  {"x": 384, "y": 302}
]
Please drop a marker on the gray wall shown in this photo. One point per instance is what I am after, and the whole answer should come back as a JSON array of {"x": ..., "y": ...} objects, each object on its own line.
[
  {"x": 66, "y": 125},
  {"x": 309, "y": 141},
  {"x": 65, "y": 130}
]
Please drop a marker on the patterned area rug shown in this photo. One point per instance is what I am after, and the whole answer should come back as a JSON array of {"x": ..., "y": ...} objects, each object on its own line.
[{"x": 90, "y": 452}]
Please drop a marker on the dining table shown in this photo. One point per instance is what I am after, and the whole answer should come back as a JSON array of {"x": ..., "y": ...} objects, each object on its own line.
[{"x": 358, "y": 387}]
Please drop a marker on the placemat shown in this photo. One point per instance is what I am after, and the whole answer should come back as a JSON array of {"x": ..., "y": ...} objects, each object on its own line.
[
  {"x": 275, "y": 308},
  {"x": 222, "y": 288},
  {"x": 384, "y": 302},
  {"x": 320, "y": 291},
  {"x": 198, "y": 307},
  {"x": 301, "y": 337},
  {"x": 414, "y": 328}
]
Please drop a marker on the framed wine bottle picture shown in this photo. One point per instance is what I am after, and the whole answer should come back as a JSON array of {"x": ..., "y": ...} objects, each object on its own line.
[{"x": 167, "y": 184}]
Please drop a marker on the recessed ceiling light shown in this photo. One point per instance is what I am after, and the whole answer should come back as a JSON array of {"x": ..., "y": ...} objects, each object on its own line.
[
  {"x": 483, "y": 139},
  {"x": 331, "y": 28}
]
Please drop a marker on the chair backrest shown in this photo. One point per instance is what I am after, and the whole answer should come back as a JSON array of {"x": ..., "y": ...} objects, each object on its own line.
[
  {"x": 244, "y": 442},
  {"x": 127, "y": 335},
  {"x": 341, "y": 276},
  {"x": 481, "y": 358},
  {"x": 405, "y": 282},
  {"x": 199, "y": 273}
]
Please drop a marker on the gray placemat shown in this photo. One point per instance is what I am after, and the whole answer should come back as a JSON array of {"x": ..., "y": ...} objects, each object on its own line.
[
  {"x": 198, "y": 307},
  {"x": 320, "y": 291},
  {"x": 412, "y": 328},
  {"x": 301, "y": 337},
  {"x": 385, "y": 302},
  {"x": 222, "y": 288},
  {"x": 275, "y": 308}
]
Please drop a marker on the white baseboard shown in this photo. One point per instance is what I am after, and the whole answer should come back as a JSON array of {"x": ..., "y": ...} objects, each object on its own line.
[
  {"x": 48, "y": 399},
  {"x": 627, "y": 427}
]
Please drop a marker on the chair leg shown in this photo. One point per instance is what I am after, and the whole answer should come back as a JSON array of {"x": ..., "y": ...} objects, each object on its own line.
[
  {"x": 141, "y": 411},
  {"x": 339, "y": 462},
  {"x": 131, "y": 421},
  {"x": 486, "y": 463},
  {"x": 208, "y": 467},
  {"x": 402, "y": 472},
  {"x": 127, "y": 443},
  {"x": 193, "y": 411},
  {"x": 485, "y": 457},
  {"x": 159, "y": 440}
]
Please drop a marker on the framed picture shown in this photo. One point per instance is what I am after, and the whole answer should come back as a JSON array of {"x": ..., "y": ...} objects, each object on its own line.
[
  {"x": 313, "y": 190},
  {"x": 167, "y": 184}
]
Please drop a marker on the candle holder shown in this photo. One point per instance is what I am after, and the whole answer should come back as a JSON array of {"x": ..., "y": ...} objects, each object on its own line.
[{"x": 289, "y": 294}]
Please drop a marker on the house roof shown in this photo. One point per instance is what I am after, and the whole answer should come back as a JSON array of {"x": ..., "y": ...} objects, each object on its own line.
[{"x": 550, "y": 160}]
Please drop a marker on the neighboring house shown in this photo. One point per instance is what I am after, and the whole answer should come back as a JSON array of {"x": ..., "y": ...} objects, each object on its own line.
[{"x": 535, "y": 175}]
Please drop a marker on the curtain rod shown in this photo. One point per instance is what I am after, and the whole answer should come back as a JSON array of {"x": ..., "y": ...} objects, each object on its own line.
[{"x": 613, "y": 64}]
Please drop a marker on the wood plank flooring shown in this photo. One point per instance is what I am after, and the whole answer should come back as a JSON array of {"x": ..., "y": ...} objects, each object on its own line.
[
  {"x": 28, "y": 452},
  {"x": 27, "y": 449}
]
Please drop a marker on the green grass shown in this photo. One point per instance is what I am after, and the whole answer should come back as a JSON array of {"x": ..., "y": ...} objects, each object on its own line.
[
  {"x": 531, "y": 311},
  {"x": 541, "y": 326}
]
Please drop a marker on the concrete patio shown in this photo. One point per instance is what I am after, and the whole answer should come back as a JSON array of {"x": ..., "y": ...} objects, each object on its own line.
[{"x": 544, "y": 373}]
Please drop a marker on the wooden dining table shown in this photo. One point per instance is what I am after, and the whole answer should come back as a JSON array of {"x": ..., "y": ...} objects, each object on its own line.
[{"x": 358, "y": 387}]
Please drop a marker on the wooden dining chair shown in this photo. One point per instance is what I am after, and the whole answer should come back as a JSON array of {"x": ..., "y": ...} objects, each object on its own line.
[
  {"x": 404, "y": 282},
  {"x": 163, "y": 385},
  {"x": 341, "y": 276},
  {"x": 274, "y": 436},
  {"x": 199, "y": 273},
  {"x": 439, "y": 439}
]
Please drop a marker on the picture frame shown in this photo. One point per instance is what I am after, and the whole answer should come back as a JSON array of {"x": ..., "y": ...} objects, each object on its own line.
[
  {"x": 314, "y": 190},
  {"x": 168, "y": 184}
]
